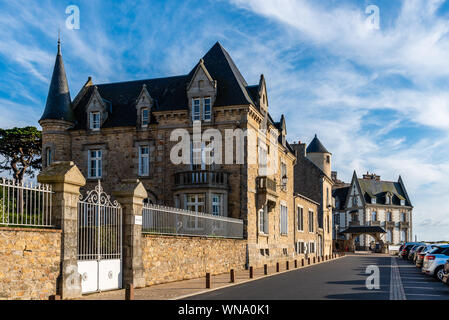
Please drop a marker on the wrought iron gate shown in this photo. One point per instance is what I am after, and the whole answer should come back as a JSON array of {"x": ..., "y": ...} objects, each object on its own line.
[{"x": 99, "y": 241}]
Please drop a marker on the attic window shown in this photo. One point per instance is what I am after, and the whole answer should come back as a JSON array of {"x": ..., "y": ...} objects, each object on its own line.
[
  {"x": 402, "y": 202},
  {"x": 388, "y": 199},
  {"x": 145, "y": 117},
  {"x": 373, "y": 200},
  {"x": 328, "y": 159},
  {"x": 95, "y": 120}
]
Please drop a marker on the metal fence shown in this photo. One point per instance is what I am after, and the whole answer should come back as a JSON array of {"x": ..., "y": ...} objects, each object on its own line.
[
  {"x": 25, "y": 204},
  {"x": 163, "y": 220}
]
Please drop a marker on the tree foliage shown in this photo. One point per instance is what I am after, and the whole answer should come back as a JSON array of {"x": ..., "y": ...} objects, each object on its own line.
[{"x": 20, "y": 151}]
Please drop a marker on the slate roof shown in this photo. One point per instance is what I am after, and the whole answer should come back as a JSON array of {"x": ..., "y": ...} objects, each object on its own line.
[
  {"x": 342, "y": 194},
  {"x": 364, "y": 229},
  {"x": 59, "y": 104},
  {"x": 169, "y": 93},
  {"x": 379, "y": 189},
  {"x": 316, "y": 146}
]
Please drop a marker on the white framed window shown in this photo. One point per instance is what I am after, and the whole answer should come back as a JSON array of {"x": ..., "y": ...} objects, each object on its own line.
[
  {"x": 207, "y": 109},
  {"x": 300, "y": 247},
  {"x": 373, "y": 200},
  {"x": 145, "y": 117},
  {"x": 263, "y": 220},
  {"x": 195, "y": 202},
  {"x": 263, "y": 159},
  {"x": 217, "y": 204},
  {"x": 95, "y": 120},
  {"x": 196, "y": 109},
  {"x": 311, "y": 247},
  {"x": 403, "y": 217},
  {"x": 389, "y": 236},
  {"x": 403, "y": 235},
  {"x": 402, "y": 202},
  {"x": 95, "y": 163},
  {"x": 144, "y": 161},
  {"x": 283, "y": 220},
  {"x": 300, "y": 218},
  {"x": 374, "y": 216},
  {"x": 311, "y": 224},
  {"x": 49, "y": 156},
  {"x": 389, "y": 217}
]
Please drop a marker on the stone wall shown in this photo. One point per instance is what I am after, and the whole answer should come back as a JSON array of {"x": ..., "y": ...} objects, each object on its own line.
[
  {"x": 167, "y": 259},
  {"x": 30, "y": 262}
]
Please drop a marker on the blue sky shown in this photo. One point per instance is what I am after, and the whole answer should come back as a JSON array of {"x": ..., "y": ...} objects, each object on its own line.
[{"x": 378, "y": 99}]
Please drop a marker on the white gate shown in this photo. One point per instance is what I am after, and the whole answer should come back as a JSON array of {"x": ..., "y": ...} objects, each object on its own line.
[{"x": 99, "y": 242}]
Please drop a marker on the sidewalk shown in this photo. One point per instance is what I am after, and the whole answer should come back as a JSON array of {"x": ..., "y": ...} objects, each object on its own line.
[{"x": 184, "y": 288}]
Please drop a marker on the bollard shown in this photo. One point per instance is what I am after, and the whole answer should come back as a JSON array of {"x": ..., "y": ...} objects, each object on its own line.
[
  {"x": 277, "y": 266},
  {"x": 129, "y": 292},
  {"x": 208, "y": 280},
  {"x": 302, "y": 262},
  {"x": 296, "y": 263},
  {"x": 314, "y": 259},
  {"x": 265, "y": 269},
  {"x": 54, "y": 297},
  {"x": 251, "y": 272},
  {"x": 308, "y": 261},
  {"x": 232, "y": 274},
  {"x": 287, "y": 267}
]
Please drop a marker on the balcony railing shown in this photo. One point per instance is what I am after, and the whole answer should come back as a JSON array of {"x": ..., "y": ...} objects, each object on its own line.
[
  {"x": 201, "y": 178},
  {"x": 404, "y": 225},
  {"x": 389, "y": 224},
  {"x": 374, "y": 223}
]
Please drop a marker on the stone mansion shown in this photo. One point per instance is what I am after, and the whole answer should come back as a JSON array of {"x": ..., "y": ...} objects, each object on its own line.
[{"x": 117, "y": 131}]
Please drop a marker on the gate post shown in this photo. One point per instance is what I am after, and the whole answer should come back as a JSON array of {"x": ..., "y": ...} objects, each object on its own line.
[
  {"x": 66, "y": 180},
  {"x": 130, "y": 193}
]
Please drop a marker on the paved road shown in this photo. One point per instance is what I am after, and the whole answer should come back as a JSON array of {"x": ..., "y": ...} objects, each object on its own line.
[{"x": 339, "y": 279}]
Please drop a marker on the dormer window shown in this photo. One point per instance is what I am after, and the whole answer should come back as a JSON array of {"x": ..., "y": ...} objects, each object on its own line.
[
  {"x": 207, "y": 110},
  {"x": 145, "y": 117},
  {"x": 373, "y": 200},
  {"x": 402, "y": 202},
  {"x": 95, "y": 120},
  {"x": 196, "y": 111}
]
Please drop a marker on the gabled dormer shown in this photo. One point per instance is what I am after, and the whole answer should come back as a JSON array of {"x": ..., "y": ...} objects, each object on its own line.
[
  {"x": 144, "y": 104},
  {"x": 97, "y": 111},
  {"x": 201, "y": 94}
]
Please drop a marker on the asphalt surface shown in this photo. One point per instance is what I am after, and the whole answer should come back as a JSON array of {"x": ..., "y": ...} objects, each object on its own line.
[{"x": 341, "y": 279}]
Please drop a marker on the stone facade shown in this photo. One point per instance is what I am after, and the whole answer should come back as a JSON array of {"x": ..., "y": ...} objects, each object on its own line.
[
  {"x": 386, "y": 205},
  {"x": 30, "y": 263},
  {"x": 307, "y": 241},
  {"x": 312, "y": 175},
  {"x": 167, "y": 259}
]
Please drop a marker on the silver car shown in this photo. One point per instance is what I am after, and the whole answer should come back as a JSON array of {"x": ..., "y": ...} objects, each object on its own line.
[{"x": 434, "y": 261}]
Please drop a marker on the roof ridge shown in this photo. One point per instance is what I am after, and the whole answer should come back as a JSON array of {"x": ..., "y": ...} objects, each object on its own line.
[{"x": 141, "y": 80}]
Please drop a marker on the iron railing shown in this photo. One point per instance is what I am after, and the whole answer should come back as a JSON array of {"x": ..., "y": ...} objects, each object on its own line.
[
  {"x": 25, "y": 204},
  {"x": 163, "y": 220},
  {"x": 200, "y": 178}
]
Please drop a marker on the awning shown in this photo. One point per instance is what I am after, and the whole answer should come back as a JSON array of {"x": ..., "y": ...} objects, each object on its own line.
[{"x": 364, "y": 229}]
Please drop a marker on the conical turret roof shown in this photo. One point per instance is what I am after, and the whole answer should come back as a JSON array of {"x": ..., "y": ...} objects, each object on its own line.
[
  {"x": 316, "y": 146},
  {"x": 59, "y": 105}
]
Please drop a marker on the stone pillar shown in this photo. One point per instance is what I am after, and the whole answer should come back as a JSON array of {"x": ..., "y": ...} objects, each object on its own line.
[
  {"x": 66, "y": 180},
  {"x": 130, "y": 193}
]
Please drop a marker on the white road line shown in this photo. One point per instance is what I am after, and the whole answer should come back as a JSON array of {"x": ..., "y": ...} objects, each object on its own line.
[{"x": 396, "y": 288}]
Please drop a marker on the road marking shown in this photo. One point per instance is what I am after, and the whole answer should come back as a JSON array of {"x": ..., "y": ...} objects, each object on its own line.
[{"x": 396, "y": 288}]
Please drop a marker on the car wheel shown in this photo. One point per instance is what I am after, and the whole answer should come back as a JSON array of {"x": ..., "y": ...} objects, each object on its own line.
[{"x": 439, "y": 273}]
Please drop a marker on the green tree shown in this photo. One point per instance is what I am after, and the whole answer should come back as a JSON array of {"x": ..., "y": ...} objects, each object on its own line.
[{"x": 20, "y": 151}]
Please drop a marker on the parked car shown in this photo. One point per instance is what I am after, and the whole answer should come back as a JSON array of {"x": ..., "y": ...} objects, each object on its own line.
[
  {"x": 434, "y": 262},
  {"x": 420, "y": 256},
  {"x": 446, "y": 273},
  {"x": 412, "y": 250},
  {"x": 417, "y": 251},
  {"x": 406, "y": 248}
]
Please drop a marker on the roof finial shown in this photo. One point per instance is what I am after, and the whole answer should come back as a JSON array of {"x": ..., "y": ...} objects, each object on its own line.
[{"x": 59, "y": 40}]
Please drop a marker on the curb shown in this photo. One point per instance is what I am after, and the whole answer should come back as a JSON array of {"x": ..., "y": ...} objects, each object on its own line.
[{"x": 251, "y": 280}]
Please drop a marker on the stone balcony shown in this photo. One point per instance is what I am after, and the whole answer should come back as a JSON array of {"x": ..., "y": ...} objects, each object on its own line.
[
  {"x": 266, "y": 191},
  {"x": 404, "y": 225},
  {"x": 374, "y": 223},
  {"x": 201, "y": 179},
  {"x": 390, "y": 224}
]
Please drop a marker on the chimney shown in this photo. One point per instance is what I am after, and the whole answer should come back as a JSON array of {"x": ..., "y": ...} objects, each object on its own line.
[
  {"x": 371, "y": 176},
  {"x": 300, "y": 149}
]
